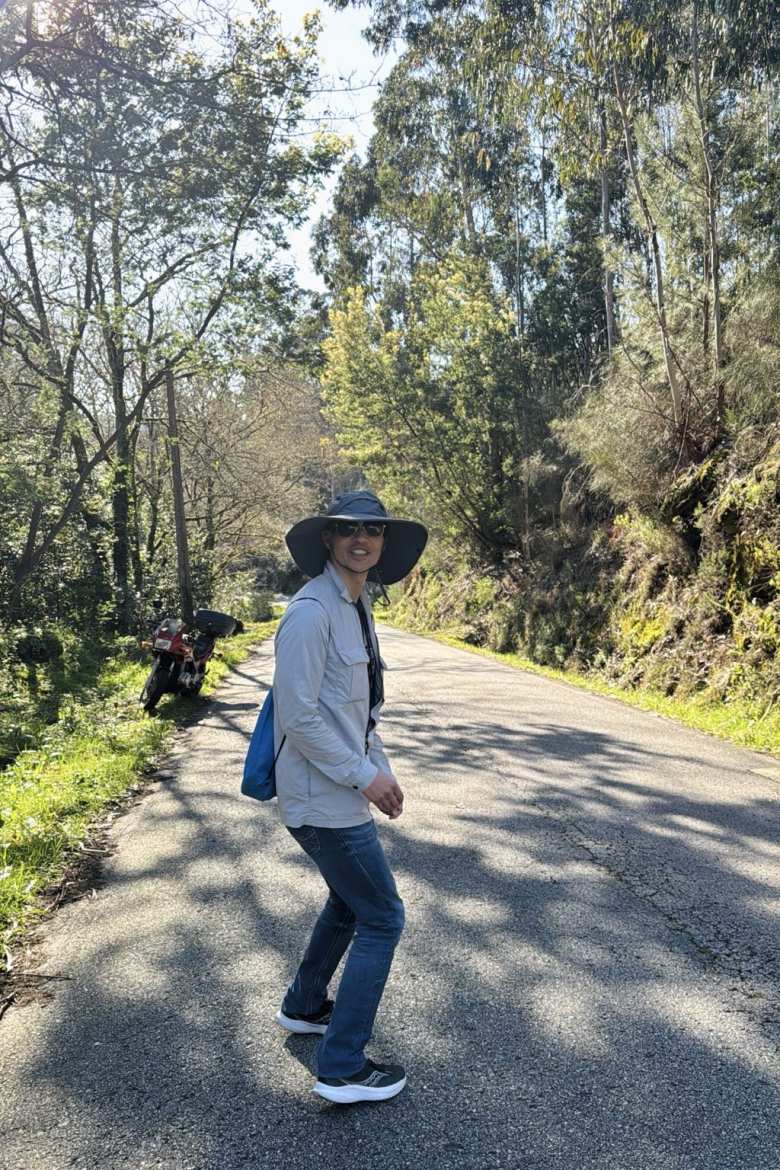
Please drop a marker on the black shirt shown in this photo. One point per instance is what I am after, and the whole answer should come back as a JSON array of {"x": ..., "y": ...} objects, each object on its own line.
[{"x": 376, "y": 685}]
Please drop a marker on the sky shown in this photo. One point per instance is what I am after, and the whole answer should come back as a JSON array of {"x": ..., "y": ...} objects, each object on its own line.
[{"x": 347, "y": 61}]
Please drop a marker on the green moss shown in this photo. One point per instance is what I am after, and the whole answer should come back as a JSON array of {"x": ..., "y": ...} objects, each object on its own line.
[
  {"x": 481, "y": 594},
  {"x": 645, "y": 540},
  {"x": 758, "y": 628},
  {"x": 684, "y": 603},
  {"x": 640, "y": 632}
]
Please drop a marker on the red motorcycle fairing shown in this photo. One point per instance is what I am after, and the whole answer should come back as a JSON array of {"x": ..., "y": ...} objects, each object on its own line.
[
  {"x": 169, "y": 636},
  {"x": 181, "y": 657}
]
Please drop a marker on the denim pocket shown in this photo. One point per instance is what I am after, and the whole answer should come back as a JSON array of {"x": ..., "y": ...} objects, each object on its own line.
[
  {"x": 307, "y": 838},
  {"x": 357, "y": 837}
]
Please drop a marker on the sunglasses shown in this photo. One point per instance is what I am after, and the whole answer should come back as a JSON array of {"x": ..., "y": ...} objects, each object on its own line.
[{"x": 352, "y": 527}]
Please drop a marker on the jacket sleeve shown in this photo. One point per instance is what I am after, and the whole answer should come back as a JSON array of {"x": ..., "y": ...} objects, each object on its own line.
[
  {"x": 376, "y": 752},
  {"x": 301, "y": 651}
]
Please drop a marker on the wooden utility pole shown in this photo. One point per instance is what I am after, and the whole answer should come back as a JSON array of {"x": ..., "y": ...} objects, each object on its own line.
[{"x": 182, "y": 552}]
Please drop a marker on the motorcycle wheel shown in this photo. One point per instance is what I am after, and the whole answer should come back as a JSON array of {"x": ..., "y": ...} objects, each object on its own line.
[
  {"x": 188, "y": 680},
  {"x": 154, "y": 688}
]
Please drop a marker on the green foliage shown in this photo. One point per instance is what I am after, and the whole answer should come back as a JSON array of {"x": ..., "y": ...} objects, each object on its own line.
[
  {"x": 238, "y": 595},
  {"x": 85, "y": 762},
  {"x": 638, "y": 632},
  {"x": 708, "y": 623},
  {"x": 628, "y": 522},
  {"x": 35, "y": 647},
  {"x": 431, "y": 409},
  {"x": 32, "y": 693},
  {"x": 151, "y": 225}
]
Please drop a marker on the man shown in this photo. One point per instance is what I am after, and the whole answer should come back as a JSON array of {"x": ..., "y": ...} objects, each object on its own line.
[{"x": 328, "y": 693}]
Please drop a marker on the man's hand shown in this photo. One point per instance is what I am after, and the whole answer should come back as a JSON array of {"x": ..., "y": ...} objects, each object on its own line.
[{"x": 384, "y": 791}]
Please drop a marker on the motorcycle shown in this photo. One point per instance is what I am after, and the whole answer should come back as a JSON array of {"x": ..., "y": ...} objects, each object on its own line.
[{"x": 181, "y": 655}]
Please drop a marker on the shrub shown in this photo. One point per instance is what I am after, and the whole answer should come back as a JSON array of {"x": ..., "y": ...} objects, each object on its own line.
[
  {"x": 238, "y": 596},
  {"x": 34, "y": 648}
]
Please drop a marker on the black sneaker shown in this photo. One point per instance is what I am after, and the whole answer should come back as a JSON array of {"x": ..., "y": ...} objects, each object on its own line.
[
  {"x": 303, "y": 1025},
  {"x": 374, "y": 1082}
]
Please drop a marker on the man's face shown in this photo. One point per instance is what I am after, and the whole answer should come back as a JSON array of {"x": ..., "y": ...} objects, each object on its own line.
[{"x": 353, "y": 545}]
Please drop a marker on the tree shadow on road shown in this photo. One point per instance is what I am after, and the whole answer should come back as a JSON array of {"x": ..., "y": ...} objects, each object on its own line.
[{"x": 557, "y": 994}]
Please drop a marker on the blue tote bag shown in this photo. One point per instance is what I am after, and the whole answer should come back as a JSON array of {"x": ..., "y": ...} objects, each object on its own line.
[{"x": 259, "y": 779}]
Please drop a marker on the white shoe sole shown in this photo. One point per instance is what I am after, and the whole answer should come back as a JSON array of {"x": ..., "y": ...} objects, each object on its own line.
[
  {"x": 350, "y": 1094},
  {"x": 300, "y": 1026}
]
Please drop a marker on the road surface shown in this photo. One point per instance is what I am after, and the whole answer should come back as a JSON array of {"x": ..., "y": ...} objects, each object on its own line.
[{"x": 588, "y": 979}]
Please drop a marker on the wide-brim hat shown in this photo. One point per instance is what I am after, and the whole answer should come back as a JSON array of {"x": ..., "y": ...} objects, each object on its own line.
[{"x": 404, "y": 539}]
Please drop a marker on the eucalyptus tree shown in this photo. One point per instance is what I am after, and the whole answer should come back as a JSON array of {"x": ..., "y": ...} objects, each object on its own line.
[
  {"x": 693, "y": 90},
  {"x": 430, "y": 409},
  {"x": 610, "y": 168},
  {"x": 610, "y": 150},
  {"x": 460, "y": 179}
]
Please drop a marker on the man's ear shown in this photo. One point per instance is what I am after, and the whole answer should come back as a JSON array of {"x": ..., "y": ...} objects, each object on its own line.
[{"x": 325, "y": 538}]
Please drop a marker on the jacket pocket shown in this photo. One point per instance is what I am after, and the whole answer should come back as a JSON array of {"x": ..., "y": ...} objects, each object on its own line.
[{"x": 346, "y": 674}]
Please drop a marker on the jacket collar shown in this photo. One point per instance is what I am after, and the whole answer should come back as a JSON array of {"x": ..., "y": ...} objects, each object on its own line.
[{"x": 340, "y": 584}]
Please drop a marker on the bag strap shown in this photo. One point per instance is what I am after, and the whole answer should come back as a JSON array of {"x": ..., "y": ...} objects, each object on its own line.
[{"x": 276, "y": 757}]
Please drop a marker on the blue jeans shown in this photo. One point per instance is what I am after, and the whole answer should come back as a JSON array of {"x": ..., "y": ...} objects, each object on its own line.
[{"x": 363, "y": 908}]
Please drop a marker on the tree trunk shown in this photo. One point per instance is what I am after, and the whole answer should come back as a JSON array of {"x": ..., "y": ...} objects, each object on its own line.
[
  {"x": 705, "y": 309},
  {"x": 210, "y": 541},
  {"x": 94, "y": 523},
  {"x": 120, "y": 496},
  {"x": 519, "y": 284},
  {"x": 120, "y": 514},
  {"x": 153, "y": 496},
  {"x": 711, "y": 195},
  {"x": 135, "y": 544},
  {"x": 55, "y": 375},
  {"x": 670, "y": 361},
  {"x": 182, "y": 551},
  {"x": 468, "y": 210},
  {"x": 606, "y": 227},
  {"x": 543, "y": 187},
  {"x": 609, "y": 276}
]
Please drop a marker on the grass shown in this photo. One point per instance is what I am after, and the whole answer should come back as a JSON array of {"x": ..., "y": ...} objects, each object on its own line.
[
  {"x": 95, "y": 754},
  {"x": 30, "y": 696},
  {"x": 738, "y": 721}
]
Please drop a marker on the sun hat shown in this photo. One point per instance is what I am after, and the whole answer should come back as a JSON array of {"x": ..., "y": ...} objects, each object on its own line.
[{"x": 404, "y": 539}]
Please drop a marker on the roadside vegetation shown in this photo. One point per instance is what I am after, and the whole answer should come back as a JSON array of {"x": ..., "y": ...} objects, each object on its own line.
[
  {"x": 98, "y": 751},
  {"x": 555, "y": 334},
  {"x": 147, "y": 310}
]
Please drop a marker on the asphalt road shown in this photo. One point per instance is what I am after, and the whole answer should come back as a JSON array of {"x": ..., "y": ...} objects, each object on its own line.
[{"x": 588, "y": 979}]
